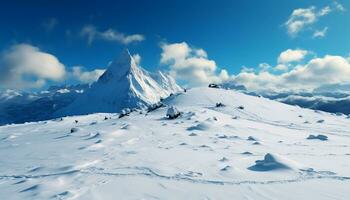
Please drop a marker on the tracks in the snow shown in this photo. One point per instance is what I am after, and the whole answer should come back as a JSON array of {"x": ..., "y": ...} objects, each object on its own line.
[{"x": 147, "y": 172}]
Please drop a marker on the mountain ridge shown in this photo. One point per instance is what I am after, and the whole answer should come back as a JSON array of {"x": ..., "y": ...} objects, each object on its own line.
[{"x": 123, "y": 85}]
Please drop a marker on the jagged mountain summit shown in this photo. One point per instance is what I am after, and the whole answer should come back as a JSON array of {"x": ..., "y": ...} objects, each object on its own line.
[{"x": 123, "y": 85}]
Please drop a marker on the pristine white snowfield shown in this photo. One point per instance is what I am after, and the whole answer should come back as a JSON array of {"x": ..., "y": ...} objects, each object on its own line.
[{"x": 258, "y": 151}]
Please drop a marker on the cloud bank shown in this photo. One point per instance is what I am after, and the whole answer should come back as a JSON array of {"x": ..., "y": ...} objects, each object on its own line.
[
  {"x": 291, "y": 73},
  {"x": 191, "y": 65},
  {"x": 316, "y": 72},
  {"x": 26, "y": 66}
]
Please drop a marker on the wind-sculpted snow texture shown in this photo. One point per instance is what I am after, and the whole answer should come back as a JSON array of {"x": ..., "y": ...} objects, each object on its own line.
[{"x": 208, "y": 152}]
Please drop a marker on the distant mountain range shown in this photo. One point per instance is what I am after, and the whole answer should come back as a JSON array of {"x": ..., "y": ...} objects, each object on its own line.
[
  {"x": 332, "y": 98},
  {"x": 123, "y": 85},
  {"x": 127, "y": 85}
]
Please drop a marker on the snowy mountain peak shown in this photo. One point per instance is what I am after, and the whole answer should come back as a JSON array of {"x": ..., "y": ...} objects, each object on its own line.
[
  {"x": 123, "y": 85},
  {"x": 120, "y": 67}
]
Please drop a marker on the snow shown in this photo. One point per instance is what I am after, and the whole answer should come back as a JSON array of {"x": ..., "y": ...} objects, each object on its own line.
[
  {"x": 320, "y": 137},
  {"x": 205, "y": 153},
  {"x": 63, "y": 91},
  {"x": 172, "y": 113},
  {"x": 20, "y": 107},
  {"x": 123, "y": 85}
]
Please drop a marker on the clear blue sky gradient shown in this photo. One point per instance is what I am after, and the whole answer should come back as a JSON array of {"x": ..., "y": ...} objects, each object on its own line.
[{"x": 234, "y": 33}]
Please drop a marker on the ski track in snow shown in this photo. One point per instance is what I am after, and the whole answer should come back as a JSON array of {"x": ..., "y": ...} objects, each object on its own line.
[{"x": 144, "y": 171}]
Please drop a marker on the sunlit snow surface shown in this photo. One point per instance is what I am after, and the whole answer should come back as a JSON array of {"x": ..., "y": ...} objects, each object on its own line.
[{"x": 203, "y": 154}]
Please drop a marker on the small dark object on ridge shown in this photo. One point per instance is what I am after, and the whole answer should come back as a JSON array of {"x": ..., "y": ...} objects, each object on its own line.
[
  {"x": 76, "y": 121},
  {"x": 241, "y": 107},
  {"x": 320, "y": 137},
  {"x": 124, "y": 112},
  {"x": 213, "y": 85},
  {"x": 172, "y": 113},
  {"x": 155, "y": 107},
  {"x": 106, "y": 118},
  {"x": 220, "y": 104},
  {"x": 73, "y": 130}
]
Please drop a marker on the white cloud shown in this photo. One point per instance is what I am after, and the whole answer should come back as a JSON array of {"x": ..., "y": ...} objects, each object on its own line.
[
  {"x": 339, "y": 6},
  {"x": 317, "y": 72},
  {"x": 190, "y": 64},
  {"x": 247, "y": 69},
  {"x": 26, "y": 66},
  {"x": 303, "y": 18},
  {"x": 137, "y": 58},
  {"x": 175, "y": 51},
  {"x": 320, "y": 33},
  {"x": 201, "y": 53},
  {"x": 300, "y": 18},
  {"x": 281, "y": 67},
  {"x": 264, "y": 66},
  {"x": 324, "y": 11},
  {"x": 92, "y": 34},
  {"x": 80, "y": 74},
  {"x": 291, "y": 55}
]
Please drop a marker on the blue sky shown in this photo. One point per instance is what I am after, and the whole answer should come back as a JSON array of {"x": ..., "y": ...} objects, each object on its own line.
[{"x": 232, "y": 33}]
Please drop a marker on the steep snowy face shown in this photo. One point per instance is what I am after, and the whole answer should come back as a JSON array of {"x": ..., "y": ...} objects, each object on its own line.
[
  {"x": 166, "y": 81},
  {"x": 119, "y": 68},
  {"x": 123, "y": 85}
]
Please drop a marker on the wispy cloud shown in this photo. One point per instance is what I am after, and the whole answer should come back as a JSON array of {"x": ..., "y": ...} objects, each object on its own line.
[
  {"x": 91, "y": 33},
  {"x": 320, "y": 33},
  {"x": 339, "y": 6},
  {"x": 82, "y": 75},
  {"x": 303, "y": 18}
]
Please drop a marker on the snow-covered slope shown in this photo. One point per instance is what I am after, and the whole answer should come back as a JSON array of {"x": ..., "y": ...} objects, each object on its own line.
[
  {"x": 244, "y": 148},
  {"x": 123, "y": 85}
]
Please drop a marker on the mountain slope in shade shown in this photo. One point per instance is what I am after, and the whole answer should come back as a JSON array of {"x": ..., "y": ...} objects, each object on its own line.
[
  {"x": 20, "y": 107},
  {"x": 123, "y": 85}
]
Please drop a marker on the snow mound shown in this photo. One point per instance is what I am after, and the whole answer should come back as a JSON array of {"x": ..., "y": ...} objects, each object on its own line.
[
  {"x": 203, "y": 126},
  {"x": 319, "y": 137},
  {"x": 172, "y": 113},
  {"x": 272, "y": 162},
  {"x": 123, "y": 85}
]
